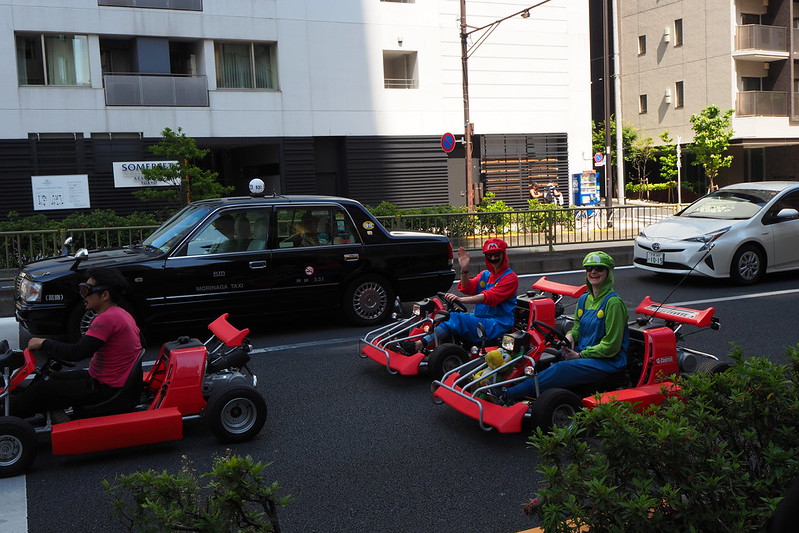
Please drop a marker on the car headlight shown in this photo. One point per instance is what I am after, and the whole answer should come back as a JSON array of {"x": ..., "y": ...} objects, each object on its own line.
[
  {"x": 30, "y": 291},
  {"x": 708, "y": 239}
]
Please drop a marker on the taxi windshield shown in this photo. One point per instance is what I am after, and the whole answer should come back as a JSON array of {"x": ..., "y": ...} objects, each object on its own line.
[{"x": 173, "y": 230}]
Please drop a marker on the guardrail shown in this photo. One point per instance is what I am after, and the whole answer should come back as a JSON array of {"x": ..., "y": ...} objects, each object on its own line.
[{"x": 544, "y": 227}]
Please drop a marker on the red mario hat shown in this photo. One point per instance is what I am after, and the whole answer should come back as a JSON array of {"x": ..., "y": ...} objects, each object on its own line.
[{"x": 494, "y": 245}]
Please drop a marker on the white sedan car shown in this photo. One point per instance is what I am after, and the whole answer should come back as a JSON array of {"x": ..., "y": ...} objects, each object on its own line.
[{"x": 740, "y": 231}]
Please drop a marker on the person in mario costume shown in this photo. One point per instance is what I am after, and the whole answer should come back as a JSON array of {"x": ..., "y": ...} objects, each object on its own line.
[{"x": 492, "y": 291}]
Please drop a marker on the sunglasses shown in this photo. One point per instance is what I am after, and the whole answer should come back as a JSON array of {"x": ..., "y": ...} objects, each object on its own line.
[
  {"x": 494, "y": 255},
  {"x": 597, "y": 268},
  {"x": 85, "y": 289}
]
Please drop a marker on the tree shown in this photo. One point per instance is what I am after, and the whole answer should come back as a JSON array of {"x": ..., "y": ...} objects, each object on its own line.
[
  {"x": 668, "y": 160},
  {"x": 641, "y": 152},
  {"x": 712, "y": 134},
  {"x": 628, "y": 136},
  {"x": 187, "y": 180}
]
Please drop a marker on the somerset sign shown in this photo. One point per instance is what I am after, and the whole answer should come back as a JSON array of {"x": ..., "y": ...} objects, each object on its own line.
[{"x": 129, "y": 173}]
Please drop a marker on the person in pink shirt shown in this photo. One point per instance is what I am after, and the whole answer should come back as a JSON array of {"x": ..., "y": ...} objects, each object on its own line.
[{"x": 112, "y": 341}]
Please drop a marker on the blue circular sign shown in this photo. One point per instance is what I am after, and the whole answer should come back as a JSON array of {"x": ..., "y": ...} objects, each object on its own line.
[{"x": 448, "y": 142}]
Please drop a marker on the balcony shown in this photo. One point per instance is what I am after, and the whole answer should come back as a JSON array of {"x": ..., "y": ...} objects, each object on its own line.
[
  {"x": 755, "y": 42},
  {"x": 762, "y": 104},
  {"x": 183, "y": 5},
  {"x": 155, "y": 90}
]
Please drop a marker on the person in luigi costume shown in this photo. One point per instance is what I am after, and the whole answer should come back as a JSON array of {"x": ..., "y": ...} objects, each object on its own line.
[{"x": 600, "y": 336}]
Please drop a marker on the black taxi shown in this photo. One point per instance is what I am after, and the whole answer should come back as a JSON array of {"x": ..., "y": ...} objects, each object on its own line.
[{"x": 250, "y": 257}]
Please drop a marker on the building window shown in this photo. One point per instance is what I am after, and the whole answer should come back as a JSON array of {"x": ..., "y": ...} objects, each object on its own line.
[
  {"x": 749, "y": 83},
  {"x": 245, "y": 65},
  {"x": 399, "y": 70},
  {"x": 749, "y": 18},
  {"x": 679, "y": 94},
  {"x": 642, "y": 104},
  {"x": 53, "y": 60},
  {"x": 400, "y": 1},
  {"x": 641, "y": 45},
  {"x": 678, "y": 32}
]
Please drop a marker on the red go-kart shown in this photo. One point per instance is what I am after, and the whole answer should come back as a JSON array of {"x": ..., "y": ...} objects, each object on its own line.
[
  {"x": 386, "y": 344},
  {"x": 653, "y": 360},
  {"x": 189, "y": 380}
]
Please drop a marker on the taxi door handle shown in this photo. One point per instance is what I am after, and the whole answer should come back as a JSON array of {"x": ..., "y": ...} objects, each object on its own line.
[
  {"x": 257, "y": 264},
  {"x": 351, "y": 257}
]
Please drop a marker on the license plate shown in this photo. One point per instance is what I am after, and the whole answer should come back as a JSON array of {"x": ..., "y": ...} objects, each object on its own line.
[{"x": 655, "y": 258}]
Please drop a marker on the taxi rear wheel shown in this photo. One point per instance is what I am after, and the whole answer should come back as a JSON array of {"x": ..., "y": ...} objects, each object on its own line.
[{"x": 368, "y": 300}]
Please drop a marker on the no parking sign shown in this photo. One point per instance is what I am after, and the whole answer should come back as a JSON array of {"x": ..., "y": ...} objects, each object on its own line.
[
  {"x": 448, "y": 142},
  {"x": 599, "y": 159}
]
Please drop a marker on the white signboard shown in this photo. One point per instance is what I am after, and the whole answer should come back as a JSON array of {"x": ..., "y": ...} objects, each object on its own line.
[
  {"x": 128, "y": 173},
  {"x": 60, "y": 192}
]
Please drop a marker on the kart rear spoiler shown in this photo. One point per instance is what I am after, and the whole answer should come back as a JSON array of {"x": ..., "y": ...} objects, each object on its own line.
[
  {"x": 545, "y": 285},
  {"x": 683, "y": 315}
]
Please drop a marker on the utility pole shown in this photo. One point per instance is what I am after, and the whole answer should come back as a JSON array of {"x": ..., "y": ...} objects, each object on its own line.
[{"x": 468, "y": 126}]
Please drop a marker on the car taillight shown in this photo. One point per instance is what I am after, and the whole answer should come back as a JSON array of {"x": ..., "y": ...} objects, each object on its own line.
[{"x": 449, "y": 245}]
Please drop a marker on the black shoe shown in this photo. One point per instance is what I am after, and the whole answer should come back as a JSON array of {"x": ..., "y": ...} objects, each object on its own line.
[
  {"x": 407, "y": 347},
  {"x": 499, "y": 396}
]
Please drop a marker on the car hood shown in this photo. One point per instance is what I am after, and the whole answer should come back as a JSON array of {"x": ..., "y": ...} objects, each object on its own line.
[
  {"x": 58, "y": 266},
  {"x": 678, "y": 228}
]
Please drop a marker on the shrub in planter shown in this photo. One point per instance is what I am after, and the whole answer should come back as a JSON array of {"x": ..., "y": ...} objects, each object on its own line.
[
  {"x": 720, "y": 459},
  {"x": 234, "y": 497}
]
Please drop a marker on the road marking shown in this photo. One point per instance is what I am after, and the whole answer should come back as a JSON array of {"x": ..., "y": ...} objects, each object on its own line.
[
  {"x": 14, "y": 496},
  {"x": 741, "y": 297},
  {"x": 304, "y": 345}
]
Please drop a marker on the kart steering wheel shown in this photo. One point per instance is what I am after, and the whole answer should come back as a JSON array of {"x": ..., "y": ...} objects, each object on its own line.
[
  {"x": 552, "y": 335},
  {"x": 451, "y": 306}
]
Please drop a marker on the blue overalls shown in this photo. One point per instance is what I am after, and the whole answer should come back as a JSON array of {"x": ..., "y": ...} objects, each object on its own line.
[
  {"x": 496, "y": 320},
  {"x": 567, "y": 374}
]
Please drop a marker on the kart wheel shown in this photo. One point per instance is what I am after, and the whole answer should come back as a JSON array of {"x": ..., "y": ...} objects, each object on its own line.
[
  {"x": 236, "y": 413},
  {"x": 555, "y": 408},
  {"x": 17, "y": 446},
  {"x": 444, "y": 358},
  {"x": 748, "y": 265},
  {"x": 368, "y": 301},
  {"x": 710, "y": 366}
]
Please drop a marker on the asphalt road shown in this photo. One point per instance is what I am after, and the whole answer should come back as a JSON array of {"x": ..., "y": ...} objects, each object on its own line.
[{"x": 362, "y": 450}]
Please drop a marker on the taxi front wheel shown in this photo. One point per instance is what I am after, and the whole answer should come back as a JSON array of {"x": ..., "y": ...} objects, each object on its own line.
[{"x": 368, "y": 300}]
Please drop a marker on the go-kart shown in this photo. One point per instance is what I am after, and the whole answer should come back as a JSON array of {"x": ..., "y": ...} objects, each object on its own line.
[
  {"x": 189, "y": 380},
  {"x": 388, "y": 344},
  {"x": 653, "y": 360}
]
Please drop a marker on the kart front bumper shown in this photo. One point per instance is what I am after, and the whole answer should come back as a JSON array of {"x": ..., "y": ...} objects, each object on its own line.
[
  {"x": 406, "y": 365},
  {"x": 488, "y": 414}
]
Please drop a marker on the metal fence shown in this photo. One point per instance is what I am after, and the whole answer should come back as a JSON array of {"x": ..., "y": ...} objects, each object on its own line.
[
  {"x": 545, "y": 227},
  {"x": 20, "y": 247}
]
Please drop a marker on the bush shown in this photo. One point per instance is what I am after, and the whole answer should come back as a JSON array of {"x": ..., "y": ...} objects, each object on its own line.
[
  {"x": 97, "y": 218},
  {"x": 236, "y": 497},
  {"x": 547, "y": 215},
  {"x": 499, "y": 223},
  {"x": 720, "y": 460}
]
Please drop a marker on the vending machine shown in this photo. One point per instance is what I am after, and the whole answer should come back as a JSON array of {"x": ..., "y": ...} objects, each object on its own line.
[{"x": 585, "y": 187}]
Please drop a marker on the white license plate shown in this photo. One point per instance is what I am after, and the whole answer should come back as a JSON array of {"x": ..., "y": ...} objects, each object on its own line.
[{"x": 655, "y": 258}]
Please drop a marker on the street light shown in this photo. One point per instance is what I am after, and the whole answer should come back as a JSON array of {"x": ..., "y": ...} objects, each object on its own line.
[{"x": 466, "y": 51}]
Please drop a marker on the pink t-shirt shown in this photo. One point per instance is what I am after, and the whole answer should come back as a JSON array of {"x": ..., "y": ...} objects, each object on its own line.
[{"x": 112, "y": 363}]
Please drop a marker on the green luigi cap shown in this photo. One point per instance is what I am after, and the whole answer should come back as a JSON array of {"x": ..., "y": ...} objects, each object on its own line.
[{"x": 599, "y": 259}]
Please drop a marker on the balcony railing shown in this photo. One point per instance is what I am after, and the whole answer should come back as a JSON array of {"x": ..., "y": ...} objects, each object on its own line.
[
  {"x": 762, "y": 104},
  {"x": 401, "y": 83},
  {"x": 156, "y": 90},
  {"x": 184, "y": 5},
  {"x": 758, "y": 37}
]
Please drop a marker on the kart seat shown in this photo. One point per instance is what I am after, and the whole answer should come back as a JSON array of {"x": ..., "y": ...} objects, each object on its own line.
[{"x": 124, "y": 400}]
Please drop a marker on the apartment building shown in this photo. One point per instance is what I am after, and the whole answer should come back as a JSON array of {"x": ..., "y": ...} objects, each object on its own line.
[
  {"x": 349, "y": 97},
  {"x": 679, "y": 56}
]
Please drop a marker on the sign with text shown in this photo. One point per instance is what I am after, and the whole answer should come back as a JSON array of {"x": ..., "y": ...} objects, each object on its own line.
[
  {"x": 128, "y": 173},
  {"x": 60, "y": 192}
]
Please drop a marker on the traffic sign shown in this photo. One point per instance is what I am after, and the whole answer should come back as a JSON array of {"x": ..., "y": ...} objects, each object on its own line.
[
  {"x": 599, "y": 159},
  {"x": 448, "y": 142}
]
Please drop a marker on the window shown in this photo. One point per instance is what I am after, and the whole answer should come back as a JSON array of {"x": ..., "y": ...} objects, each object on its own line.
[
  {"x": 679, "y": 94},
  {"x": 678, "y": 32},
  {"x": 749, "y": 83},
  {"x": 245, "y": 65},
  {"x": 233, "y": 231},
  {"x": 642, "y": 104},
  {"x": 299, "y": 227},
  {"x": 749, "y": 18},
  {"x": 641, "y": 45},
  {"x": 53, "y": 59},
  {"x": 399, "y": 70},
  {"x": 400, "y": 1}
]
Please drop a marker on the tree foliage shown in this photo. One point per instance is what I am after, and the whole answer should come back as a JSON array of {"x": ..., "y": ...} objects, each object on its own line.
[
  {"x": 187, "y": 181},
  {"x": 720, "y": 458},
  {"x": 712, "y": 134},
  {"x": 628, "y": 135}
]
